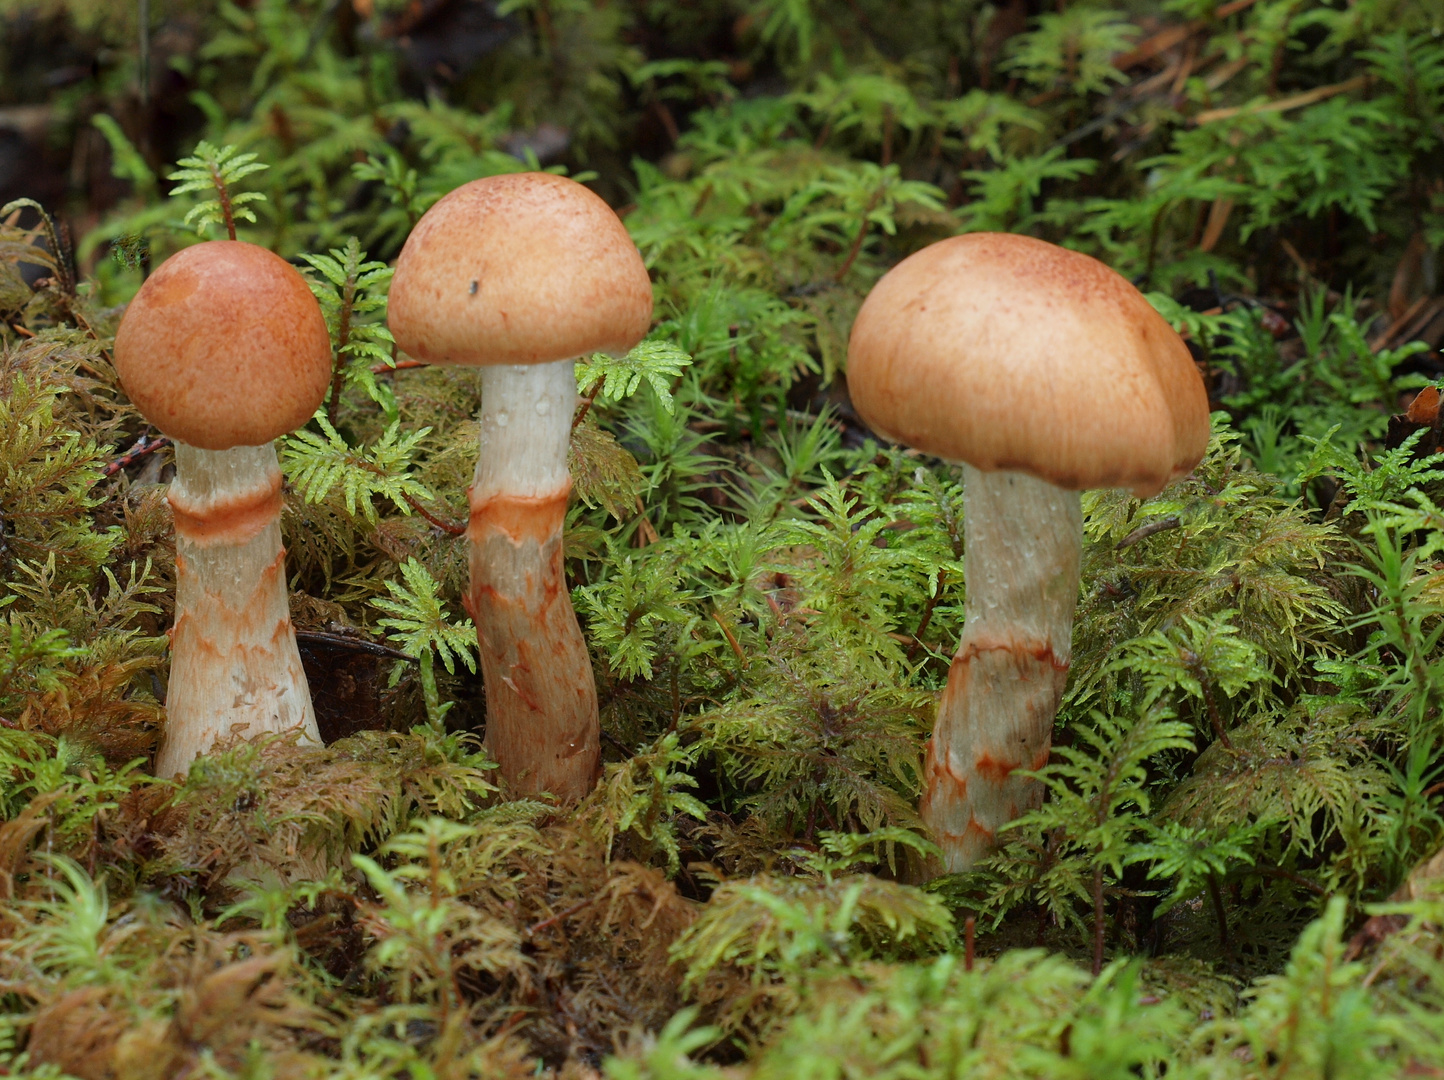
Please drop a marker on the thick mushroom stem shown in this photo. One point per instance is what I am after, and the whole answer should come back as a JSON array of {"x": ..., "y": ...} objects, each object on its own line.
[
  {"x": 541, "y": 699},
  {"x": 235, "y": 669},
  {"x": 1024, "y": 542}
]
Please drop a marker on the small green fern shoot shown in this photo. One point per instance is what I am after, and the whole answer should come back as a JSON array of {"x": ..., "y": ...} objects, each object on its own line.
[
  {"x": 216, "y": 170},
  {"x": 351, "y": 290},
  {"x": 419, "y": 624}
]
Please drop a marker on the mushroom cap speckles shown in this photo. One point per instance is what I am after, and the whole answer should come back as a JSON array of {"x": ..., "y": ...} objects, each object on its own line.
[
  {"x": 1011, "y": 353},
  {"x": 224, "y": 346},
  {"x": 524, "y": 268}
]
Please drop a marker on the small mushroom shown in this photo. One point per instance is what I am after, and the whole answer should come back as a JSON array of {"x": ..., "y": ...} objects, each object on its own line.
[
  {"x": 520, "y": 275},
  {"x": 1043, "y": 372},
  {"x": 224, "y": 349}
]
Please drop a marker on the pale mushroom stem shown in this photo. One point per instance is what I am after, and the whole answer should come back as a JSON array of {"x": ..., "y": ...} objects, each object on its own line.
[
  {"x": 235, "y": 669},
  {"x": 1024, "y": 540},
  {"x": 541, "y": 699}
]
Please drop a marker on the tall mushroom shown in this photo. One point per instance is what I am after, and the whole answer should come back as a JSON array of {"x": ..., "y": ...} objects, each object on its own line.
[
  {"x": 520, "y": 275},
  {"x": 224, "y": 349},
  {"x": 1043, "y": 372}
]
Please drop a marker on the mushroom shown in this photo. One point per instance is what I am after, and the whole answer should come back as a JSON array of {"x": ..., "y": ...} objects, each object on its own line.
[
  {"x": 224, "y": 349},
  {"x": 1043, "y": 372},
  {"x": 520, "y": 275}
]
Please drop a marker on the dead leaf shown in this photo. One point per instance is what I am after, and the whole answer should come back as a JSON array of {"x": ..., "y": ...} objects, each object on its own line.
[{"x": 1409, "y": 278}]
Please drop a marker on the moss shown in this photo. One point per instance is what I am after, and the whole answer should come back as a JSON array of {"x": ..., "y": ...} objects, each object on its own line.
[{"x": 1248, "y": 757}]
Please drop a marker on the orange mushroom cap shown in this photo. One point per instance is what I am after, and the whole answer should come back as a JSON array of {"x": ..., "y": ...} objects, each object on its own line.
[
  {"x": 224, "y": 346},
  {"x": 1010, "y": 353},
  {"x": 524, "y": 268}
]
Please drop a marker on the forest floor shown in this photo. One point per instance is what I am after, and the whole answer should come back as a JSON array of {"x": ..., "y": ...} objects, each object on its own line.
[{"x": 1235, "y": 870}]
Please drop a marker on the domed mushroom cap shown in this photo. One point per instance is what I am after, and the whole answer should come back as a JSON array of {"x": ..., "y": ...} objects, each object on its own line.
[
  {"x": 224, "y": 346},
  {"x": 1010, "y": 353},
  {"x": 525, "y": 268}
]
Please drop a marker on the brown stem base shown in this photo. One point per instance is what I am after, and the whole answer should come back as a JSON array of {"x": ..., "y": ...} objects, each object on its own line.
[{"x": 541, "y": 699}]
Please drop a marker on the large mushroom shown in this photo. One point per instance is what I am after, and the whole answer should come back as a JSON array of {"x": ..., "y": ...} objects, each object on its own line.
[
  {"x": 1043, "y": 372},
  {"x": 224, "y": 349},
  {"x": 521, "y": 275}
]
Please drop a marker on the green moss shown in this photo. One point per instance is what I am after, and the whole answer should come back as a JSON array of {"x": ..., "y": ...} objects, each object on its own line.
[{"x": 1249, "y": 756}]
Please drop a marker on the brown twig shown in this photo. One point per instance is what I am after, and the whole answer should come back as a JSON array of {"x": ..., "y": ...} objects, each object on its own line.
[
  {"x": 622, "y": 749},
  {"x": 1296, "y": 101},
  {"x": 1214, "y": 718},
  {"x": 1414, "y": 326},
  {"x": 646, "y": 532},
  {"x": 736, "y": 648},
  {"x": 341, "y": 641},
  {"x": 141, "y": 448},
  {"x": 1185, "y": 69},
  {"x": 1171, "y": 36},
  {"x": 400, "y": 365},
  {"x": 565, "y": 913},
  {"x": 1433, "y": 789},
  {"x": 669, "y": 122},
  {"x": 1099, "y": 927},
  {"x": 1143, "y": 532},
  {"x": 445, "y": 526},
  {"x": 925, "y": 620},
  {"x": 587, "y": 403},
  {"x": 1403, "y": 320}
]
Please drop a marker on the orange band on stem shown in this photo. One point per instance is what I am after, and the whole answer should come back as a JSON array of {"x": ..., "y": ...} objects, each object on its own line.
[
  {"x": 518, "y": 517},
  {"x": 228, "y": 521}
]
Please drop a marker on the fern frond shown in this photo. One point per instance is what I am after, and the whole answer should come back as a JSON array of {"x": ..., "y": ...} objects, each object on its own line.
[
  {"x": 214, "y": 170},
  {"x": 319, "y": 464}
]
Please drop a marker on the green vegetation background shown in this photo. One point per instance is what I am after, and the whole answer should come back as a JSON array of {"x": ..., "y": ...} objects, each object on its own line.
[{"x": 1245, "y": 795}]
